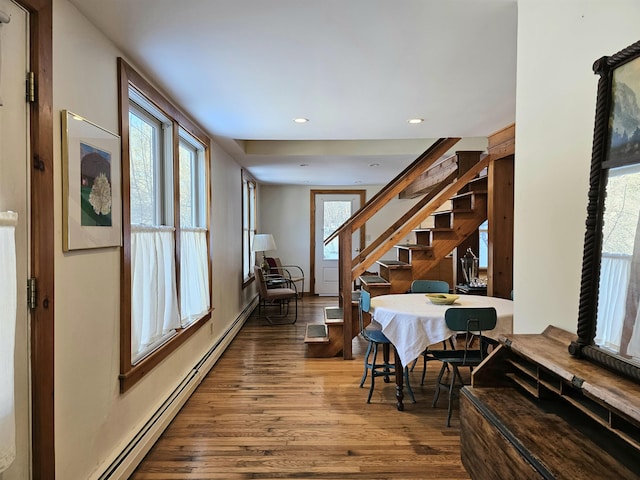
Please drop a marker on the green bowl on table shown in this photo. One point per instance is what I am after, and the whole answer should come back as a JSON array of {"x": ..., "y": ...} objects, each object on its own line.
[{"x": 442, "y": 298}]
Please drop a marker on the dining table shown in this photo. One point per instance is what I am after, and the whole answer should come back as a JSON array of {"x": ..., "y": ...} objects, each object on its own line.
[{"x": 412, "y": 323}]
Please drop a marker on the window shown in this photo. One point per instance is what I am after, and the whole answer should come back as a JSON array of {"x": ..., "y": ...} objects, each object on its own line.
[
  {"x": 166, "y": 269},
  {"x": 248, "y": 226},
  {"x": 336, "y": 212},
  {"x": 483, "y": 254},
  {"x": 194, "y": 265}
]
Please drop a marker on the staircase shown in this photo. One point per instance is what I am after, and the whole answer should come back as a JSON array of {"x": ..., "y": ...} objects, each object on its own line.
[
  {"x": 431, "y": 255},
  {"x": 460, "y": 180}
]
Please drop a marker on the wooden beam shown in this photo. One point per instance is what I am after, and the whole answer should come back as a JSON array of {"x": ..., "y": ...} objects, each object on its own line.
[
  {"x": 500, "y": 212},
  {"x": 344, "y": 249},
  {"x": 503, "y": 142},
  {"x": 500, "y": 216}
]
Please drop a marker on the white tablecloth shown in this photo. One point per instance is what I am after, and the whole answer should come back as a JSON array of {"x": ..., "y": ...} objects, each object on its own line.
[{"x": 412, "y": 323}]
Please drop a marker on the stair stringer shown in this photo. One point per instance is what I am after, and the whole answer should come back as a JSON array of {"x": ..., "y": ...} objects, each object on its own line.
[{"x": 464, "y": 224}]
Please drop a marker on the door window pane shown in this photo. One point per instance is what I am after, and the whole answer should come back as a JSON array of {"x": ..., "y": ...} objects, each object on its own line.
[{"x": 335, "y": 214}]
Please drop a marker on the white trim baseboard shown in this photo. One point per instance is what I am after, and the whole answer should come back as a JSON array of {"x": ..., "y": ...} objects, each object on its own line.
[{"x": 126, "y": 461}]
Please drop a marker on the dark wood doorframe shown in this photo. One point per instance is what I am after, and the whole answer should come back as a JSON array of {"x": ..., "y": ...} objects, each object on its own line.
[
  {"x": 42, "y": 238},
  {"x": 312, "y": 228}
]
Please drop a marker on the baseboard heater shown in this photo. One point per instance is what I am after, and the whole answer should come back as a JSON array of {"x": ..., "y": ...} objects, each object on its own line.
[{"x": 133, "y": 453}]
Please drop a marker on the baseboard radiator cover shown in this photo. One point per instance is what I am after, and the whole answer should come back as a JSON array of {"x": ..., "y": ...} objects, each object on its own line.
[{"x": 123, "y": 465}]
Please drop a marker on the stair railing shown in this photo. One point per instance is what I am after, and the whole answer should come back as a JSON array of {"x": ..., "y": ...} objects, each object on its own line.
[
  {"x": 436, "y": 199},
  {"x": 352, "y": 268}
]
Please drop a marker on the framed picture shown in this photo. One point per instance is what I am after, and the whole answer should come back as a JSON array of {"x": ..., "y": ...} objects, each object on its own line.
[{"x": 92, "y": 200}]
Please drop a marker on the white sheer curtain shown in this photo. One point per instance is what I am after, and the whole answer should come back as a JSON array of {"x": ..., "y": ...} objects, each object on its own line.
[
  {"x": 633, "y": 349},
  {"x": 194, "y": 274},
  {"x": 615, "y": 269},
  {"x": 154, "y": 299},
  {"x": 8, "y": 293}
]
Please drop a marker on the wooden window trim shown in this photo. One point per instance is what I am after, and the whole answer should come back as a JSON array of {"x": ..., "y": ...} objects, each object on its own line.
[
  {"x": 247, "y": 177},
  {"x": 127, "y": 76}
]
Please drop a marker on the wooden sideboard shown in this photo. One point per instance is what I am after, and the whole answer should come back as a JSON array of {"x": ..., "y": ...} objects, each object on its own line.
[{"x": 533, "y": 411}]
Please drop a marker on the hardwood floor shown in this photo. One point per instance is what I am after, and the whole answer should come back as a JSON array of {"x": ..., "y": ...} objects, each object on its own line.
[{"x": 266, "y": 411}]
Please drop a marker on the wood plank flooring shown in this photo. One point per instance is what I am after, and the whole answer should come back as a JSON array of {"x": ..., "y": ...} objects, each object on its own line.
[{"x": 266, "y": 411}]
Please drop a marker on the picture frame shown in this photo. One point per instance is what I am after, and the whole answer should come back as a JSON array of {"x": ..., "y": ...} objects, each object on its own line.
[
  {"x": 92, "y": 198},
  {"x": 609, "y": 299}
]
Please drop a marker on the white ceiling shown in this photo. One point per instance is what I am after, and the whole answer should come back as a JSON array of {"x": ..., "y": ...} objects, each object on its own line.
[{"x": 357, "y": 69}]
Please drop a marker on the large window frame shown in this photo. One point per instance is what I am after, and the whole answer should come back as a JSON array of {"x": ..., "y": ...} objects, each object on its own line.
[
  {"x": 249, "y": 226},
  {"x": 181, "y": 128}
]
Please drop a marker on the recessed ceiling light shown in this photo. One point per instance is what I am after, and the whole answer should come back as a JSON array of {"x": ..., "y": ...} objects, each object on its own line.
[
  {"x": 300, "y": 120},
  {"x": 414, "y": 121}
]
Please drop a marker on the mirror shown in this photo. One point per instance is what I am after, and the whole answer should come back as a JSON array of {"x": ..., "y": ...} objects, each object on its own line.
[
  {"x": 609, "y": 311},
  {"x": 617, "y": 329}
]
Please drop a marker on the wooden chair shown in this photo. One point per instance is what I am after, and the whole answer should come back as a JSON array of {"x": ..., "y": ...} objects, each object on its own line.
[
  {"x": 281, "y": 295},
  {"x": 429, "y": 286},
  {"x": 472, "y": 322}
]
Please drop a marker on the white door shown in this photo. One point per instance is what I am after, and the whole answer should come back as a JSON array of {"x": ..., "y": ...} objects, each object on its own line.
[
  {"x": 331, "y": 211},
  {"x": 14, "y": 195}
]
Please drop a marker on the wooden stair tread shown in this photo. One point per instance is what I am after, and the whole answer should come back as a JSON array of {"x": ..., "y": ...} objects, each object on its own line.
[
  {"x": 333, "y": 315},
  {"x": 469, "y": 194},
  {"x": 373, "y": 280},
  {"x": 414, "y": 246},
  {"x": 464, "y": 210},
  {"x": 393, "y": 264},
  {"x": 316, "y": 333}
]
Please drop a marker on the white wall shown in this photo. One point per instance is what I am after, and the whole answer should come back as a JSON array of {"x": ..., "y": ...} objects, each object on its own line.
[
  {"x": 558, "y": 41},
  {"x": 285, "y": 210},
  {"x": 92, "y": 419},
  {"x": 555, "y": 108}
]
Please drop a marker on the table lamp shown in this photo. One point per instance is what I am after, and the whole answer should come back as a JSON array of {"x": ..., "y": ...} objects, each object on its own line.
[{"x": 261, "y": 243}]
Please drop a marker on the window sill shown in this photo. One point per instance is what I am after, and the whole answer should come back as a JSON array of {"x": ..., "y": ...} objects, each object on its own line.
[
  {"x": 248, "y": 282},
  {"x": 134, "y": 373}
]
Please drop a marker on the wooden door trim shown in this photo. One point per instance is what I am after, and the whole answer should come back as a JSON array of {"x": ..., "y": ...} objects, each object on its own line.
[
  {"x": 42, "y": 238},
  {"x": 312, "y": 228}
]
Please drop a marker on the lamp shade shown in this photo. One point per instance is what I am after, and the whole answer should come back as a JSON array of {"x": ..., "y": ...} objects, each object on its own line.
[{"x": 263, "y": 242}]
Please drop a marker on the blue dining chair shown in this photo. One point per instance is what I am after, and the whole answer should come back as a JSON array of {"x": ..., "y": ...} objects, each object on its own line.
[
  {"x": 375, "y": 339},
  {"x": 472, "y": 322},
  {"x": 428, "y": 286}
]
